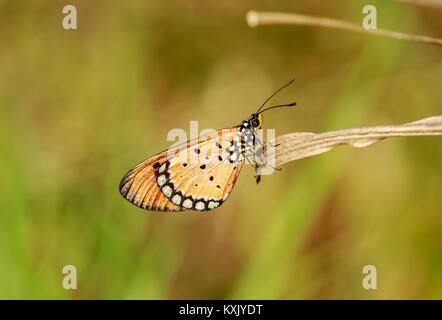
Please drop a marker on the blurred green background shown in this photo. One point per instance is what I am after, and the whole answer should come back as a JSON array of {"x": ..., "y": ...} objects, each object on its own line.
[{"x": 81, "y": 107}]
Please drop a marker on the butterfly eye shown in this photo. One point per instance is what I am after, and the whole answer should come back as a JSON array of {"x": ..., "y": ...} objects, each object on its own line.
[{"x": 254, "y": 122}]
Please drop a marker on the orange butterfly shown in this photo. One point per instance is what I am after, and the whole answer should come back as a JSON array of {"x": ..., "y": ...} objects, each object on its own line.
[{"x": 199, "y": 174}]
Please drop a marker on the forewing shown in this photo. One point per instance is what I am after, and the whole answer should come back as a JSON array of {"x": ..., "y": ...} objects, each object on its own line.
[
  {"x": 197, "y": 175},
  {"x": 139, "y": 186},
  {"x": 202, "y": 176}
]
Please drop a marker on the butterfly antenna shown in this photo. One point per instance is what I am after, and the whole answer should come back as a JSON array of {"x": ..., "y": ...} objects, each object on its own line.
[
  {"x": 286, "y": 85},
  {"x": 281, "y": 105}
]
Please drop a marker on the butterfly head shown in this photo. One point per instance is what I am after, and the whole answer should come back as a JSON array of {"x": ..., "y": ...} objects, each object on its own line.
[{"x": 255, "y": 121}]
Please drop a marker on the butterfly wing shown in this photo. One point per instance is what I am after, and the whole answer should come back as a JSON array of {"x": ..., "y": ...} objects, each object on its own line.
[
  {"x": 197, "y": 175},
  {"x": 139, "y": 186}
]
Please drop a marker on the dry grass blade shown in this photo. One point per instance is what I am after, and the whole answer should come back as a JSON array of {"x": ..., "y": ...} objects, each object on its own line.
[
  {"x": 294, "y": 146},
  {"x": 426, "y": 3},
  {"x": 255, "y": 19}
]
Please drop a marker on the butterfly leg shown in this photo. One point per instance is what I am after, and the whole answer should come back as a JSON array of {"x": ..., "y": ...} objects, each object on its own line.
[
  {"x": 259, "y": 154},
  {"x": 249, "y": 161},
  {"x": 255, "y": 166},
  {"x": 262, "y": 145}
]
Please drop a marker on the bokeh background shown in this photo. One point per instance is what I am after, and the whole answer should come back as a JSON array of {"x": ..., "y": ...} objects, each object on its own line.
[{"x": 81, "y": 107}]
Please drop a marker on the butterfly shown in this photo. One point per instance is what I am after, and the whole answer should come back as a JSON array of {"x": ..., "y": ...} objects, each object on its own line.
[{"x": 199, "y": 174}]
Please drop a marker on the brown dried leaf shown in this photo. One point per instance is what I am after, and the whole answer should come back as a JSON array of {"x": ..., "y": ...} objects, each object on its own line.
[{"x": 299, "y": 145}]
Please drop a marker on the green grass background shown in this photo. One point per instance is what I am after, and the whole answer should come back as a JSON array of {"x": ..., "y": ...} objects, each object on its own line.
[{"x": 81, "y": 107}]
